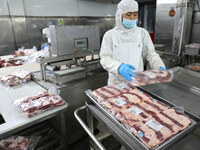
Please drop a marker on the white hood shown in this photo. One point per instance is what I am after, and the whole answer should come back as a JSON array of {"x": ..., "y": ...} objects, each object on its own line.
[{"x": 123, "y": 7}]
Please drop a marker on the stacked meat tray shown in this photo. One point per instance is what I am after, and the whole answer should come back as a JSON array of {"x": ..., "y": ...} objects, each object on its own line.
[{"x": 152, "y": 122}]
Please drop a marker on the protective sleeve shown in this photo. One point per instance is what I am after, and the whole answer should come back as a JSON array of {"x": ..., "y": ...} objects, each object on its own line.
[
  {"x": 149, "y": 52},
  {"x": 106, "y": 55}
]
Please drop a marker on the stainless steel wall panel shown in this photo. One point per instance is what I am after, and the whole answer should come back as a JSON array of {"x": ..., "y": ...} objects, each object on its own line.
[
  {"x": 195, "y": 38},
  {"x": 183, "y": 25},
  {"x": 3, "y": 8},
  {"x": 20, "y": 30},
  {"x": 6, "y": 34},
  {"x": 164, "y": 26},
  {"x": 6, "y": 49},
  {"x": 89, "y": 8},
  {"x": 195, "y": 33},
  {"x": 29, "y": 31},
  {"x": 16, "y": 7},
  {"x": 51, "y": 7}
]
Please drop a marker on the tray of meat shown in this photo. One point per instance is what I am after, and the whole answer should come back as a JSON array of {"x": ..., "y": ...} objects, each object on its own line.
[
  {"x": 194, "y": 67},
  {"x": 151, "y": 77},
  {"x": 38, "y": 103},
  {"x": 16, "y": 78},
  {"x": 152, "y": 122},
  {"x": 19, "y": 143}
]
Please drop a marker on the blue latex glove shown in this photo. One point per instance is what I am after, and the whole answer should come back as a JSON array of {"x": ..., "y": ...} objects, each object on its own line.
[
  {"x": 126, "y": 71},
  {"x": 163, "y": 68}
]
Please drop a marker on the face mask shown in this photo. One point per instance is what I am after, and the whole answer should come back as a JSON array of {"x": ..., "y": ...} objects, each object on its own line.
[{"x": 129, "y": 23}]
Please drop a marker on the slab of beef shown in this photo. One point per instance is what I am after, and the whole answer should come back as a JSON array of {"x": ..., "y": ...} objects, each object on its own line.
[
  {"x": 10, "y": 80},
  {"x": 178, "y": 118},
  {"x": 131, "y": 115},
  {"x": 143, "y": 96},
  {"x": 111, "y": 91},
  {"x": 25, "y": 76},
  {"x": 7, "y": 63},
  {"x": 194, "y": 67},
  {"x": 151, "y": 107},
  {"x": 16, "y": 78},
  {"x": 19, "y": 53},
  {"x": 18, "y": 143},
  {"x": 150, "y": 77},
  {"x": 35, "y": 104},
  {"x": 154, "y": 131},
  {"x": 151, "y": 132},
  {"x": 124, "y": 99}
]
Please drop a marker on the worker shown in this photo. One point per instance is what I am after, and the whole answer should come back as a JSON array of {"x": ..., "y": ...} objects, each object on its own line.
[
  {"x": 46, "y": 32},
  {"x": 124, "y": 47}
]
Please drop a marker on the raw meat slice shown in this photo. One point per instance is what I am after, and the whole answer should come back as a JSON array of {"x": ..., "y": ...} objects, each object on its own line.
[
  {"x": 118, "y": 101},
  {"x": 131, "y": 115},
  {"x": 194, "y": 67},
  {"x": 6, "y": 63},
  {"x": 142, "y": 95},
  {"x": 16, "y": 78},
  {"x": 111, "y": 91},
  {"x": 31, "y": 98},
  {"x": 157, "y": 104},
  {"x": 150, "y": 77},
  {"x": 151, "y": 132},
  {"x": 106, "y": 104},
  {"x": 19, "y": 143},
  {"x": 167, "y": 122},
  {"x": 10, "y": 80},
  {"x": 131, "y": 97},
  {"x": 35, "y": 104},
  {"x": 178, "y": 118},
  {"x": 149, "y": 107}
]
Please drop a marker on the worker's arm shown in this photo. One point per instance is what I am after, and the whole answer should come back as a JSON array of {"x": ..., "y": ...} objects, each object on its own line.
[
  {"x": 106, "y": 55},
  {"x": 149, "y": 52}
]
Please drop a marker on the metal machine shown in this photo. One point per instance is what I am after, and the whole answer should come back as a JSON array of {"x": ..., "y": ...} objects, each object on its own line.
[{"x": 75, "y": 52}]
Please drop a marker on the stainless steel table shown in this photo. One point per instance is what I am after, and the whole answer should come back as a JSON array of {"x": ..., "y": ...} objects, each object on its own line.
[{"x": 14, "y": 120}]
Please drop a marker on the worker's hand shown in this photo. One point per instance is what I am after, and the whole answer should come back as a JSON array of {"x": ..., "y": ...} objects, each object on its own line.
[
  {"x": 126, "y": 71},
  {"x": 163, "y": 68}
]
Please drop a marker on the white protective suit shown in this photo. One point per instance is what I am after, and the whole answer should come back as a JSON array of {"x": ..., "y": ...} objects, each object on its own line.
[
  {"x": 128, "y": 46},
  {"x": 46, "y": 32}
]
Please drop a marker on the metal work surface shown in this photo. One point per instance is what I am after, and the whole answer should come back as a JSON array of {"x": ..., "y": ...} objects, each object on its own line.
[
  {"x": 14, "y": 120},
  {"x": 184, "y": 90},
  {"x": 138, "y": 144}
]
